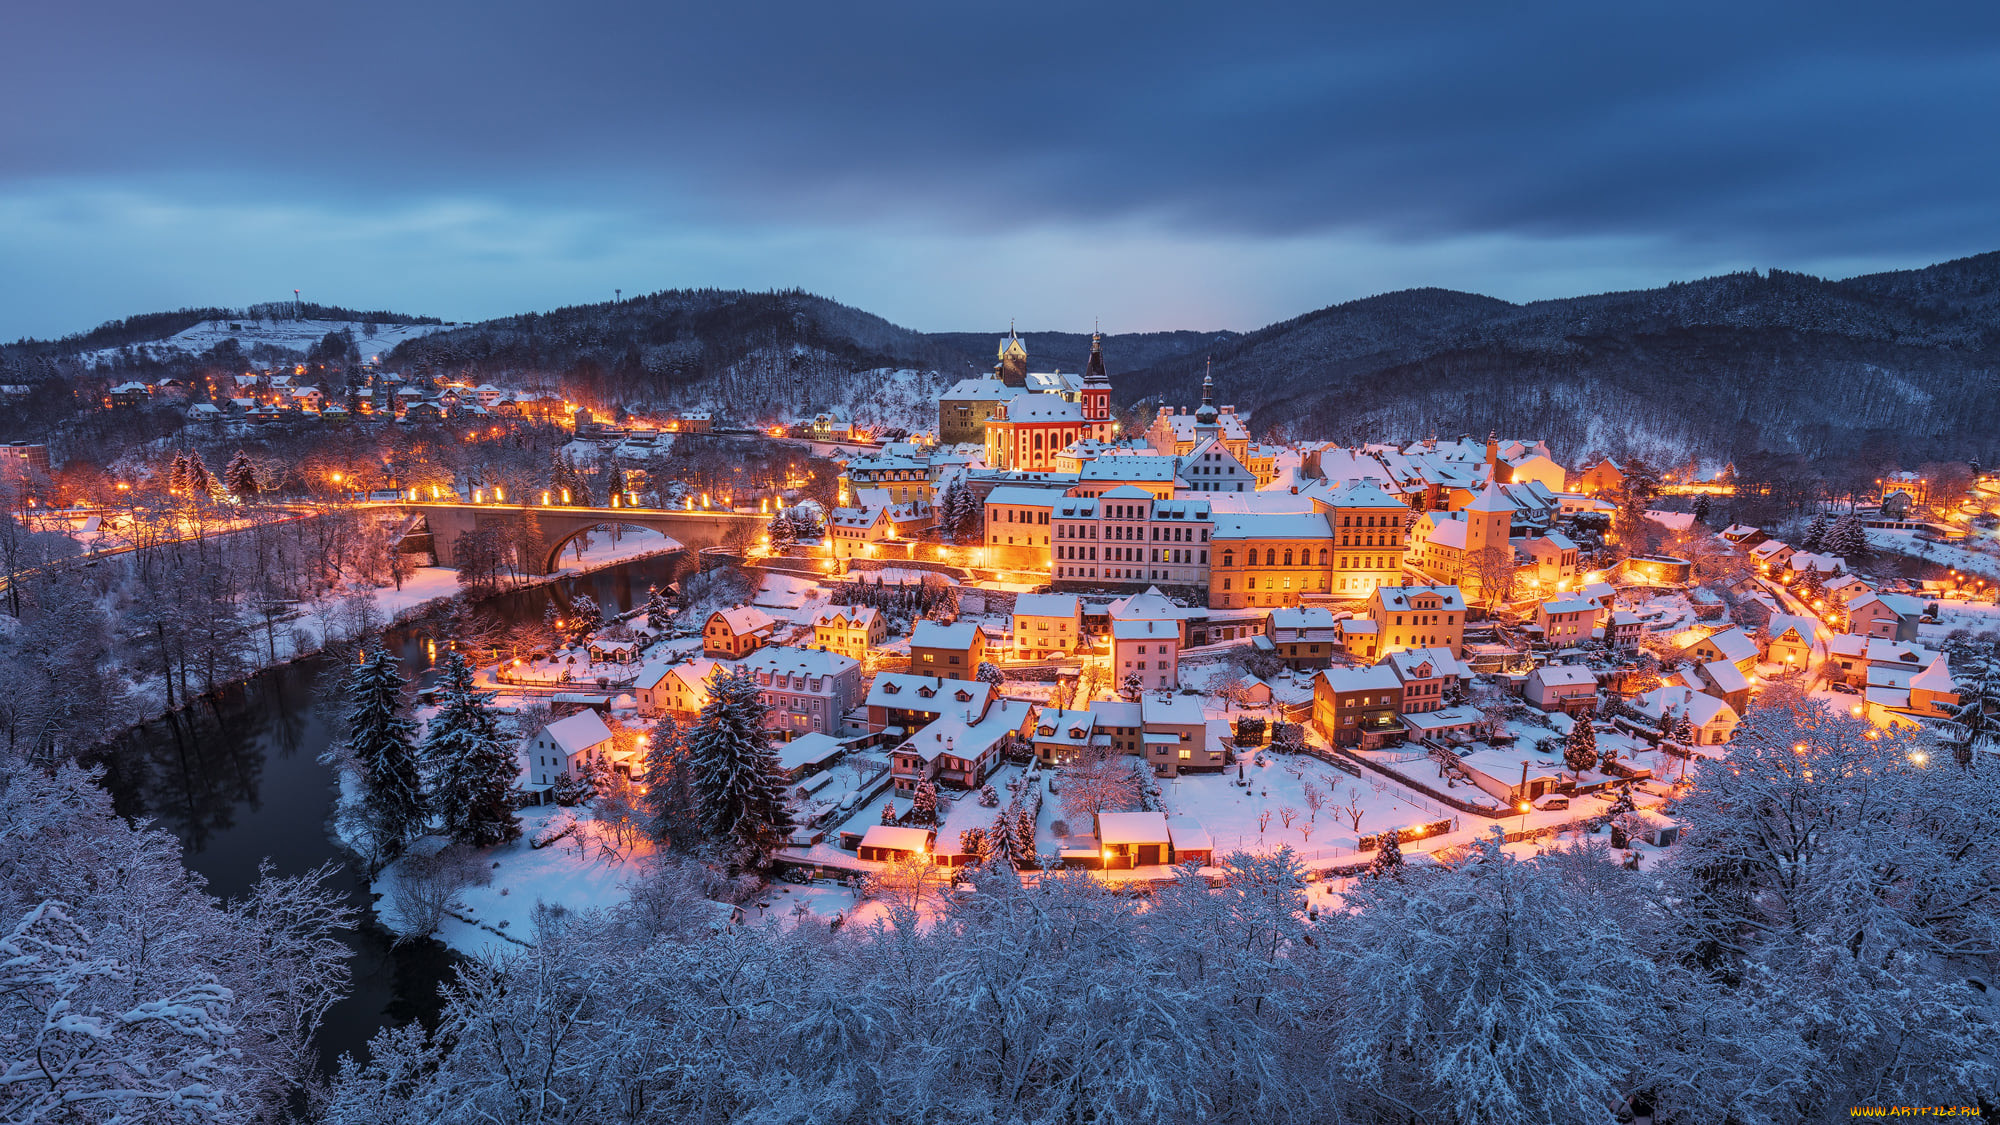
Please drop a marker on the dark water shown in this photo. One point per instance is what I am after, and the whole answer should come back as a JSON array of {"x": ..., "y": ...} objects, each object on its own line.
[{"x": 237, "y": 778}]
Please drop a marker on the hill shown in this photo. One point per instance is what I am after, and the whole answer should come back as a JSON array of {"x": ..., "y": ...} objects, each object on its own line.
[{"x": 1723, "y": 367}]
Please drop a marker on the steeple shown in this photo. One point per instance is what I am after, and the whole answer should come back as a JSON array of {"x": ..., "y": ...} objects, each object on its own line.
[
  {"x": 1013, "y": 356},
  {"x": 1094, "y": 373},
  {"x": 1206, "y": 414}
]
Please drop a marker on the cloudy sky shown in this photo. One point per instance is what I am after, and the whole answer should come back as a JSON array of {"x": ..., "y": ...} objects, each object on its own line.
[{"x": 954, "y": 166}]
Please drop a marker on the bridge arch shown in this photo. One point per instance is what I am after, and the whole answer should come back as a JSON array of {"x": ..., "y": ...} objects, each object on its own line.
[{"x": 557, "y": 546}]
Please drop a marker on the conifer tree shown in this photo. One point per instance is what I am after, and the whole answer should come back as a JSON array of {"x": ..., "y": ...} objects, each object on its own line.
[
  {"x": 1847, "y": 539},
  {"x": 177, "y": 475},
  {"x": 658, "y": 612},
  {"x": 1002, "y": 847},
  {"x": 923, "y": 808},
  {"x": 200, "y": 485},
  {"x": 1814, "y": 540},
  {"x": 382, "y": 738},
  {"x": 472, "y": 768},
  {"x": 1388, "y": 855},
  {"x": 889, "y": 813},
  {"x": 240, "y": 477},
  {"x": 739, "y": 790},
  {"x": 669, "y": 781},
  {"x": 1580, "y": 748}
]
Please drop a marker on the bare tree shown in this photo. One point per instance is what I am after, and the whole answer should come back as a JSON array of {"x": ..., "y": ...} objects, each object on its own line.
[
  {"x": 1353, "y": 808},
  {"x": 1287, "y": 814},
  {"x": 1099, "y": 779},
  {"x": 1314, "y": 797}
]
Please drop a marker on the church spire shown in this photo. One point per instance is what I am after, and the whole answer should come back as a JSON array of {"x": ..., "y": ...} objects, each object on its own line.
[
  {"x": 1094, "y": 372},
  {"x": 1207, "y": 414}
]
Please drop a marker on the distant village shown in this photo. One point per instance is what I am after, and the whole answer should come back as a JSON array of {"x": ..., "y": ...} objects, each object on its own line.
[{"x": 1128, "y": 652}]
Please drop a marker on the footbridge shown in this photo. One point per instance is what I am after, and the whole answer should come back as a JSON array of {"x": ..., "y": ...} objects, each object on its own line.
[{"x": 691, "y": 529}]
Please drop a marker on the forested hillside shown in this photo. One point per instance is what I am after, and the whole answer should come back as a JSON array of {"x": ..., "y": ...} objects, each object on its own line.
[{"x": 1724, "y": 367}]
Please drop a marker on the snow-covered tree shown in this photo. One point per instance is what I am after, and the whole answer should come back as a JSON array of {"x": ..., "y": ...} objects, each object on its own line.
[
  {"x": 1098, "y": 779},
  {"x": 1388, "y": 854},
  {"x": 924, "y": 803},
  {"x": 739, "y": 788},
  {"x": 1580, "y": 746},
  {"x": 240, "y": 476},
  {"x": 381, "y": 738},
  {"x": 1847, "y": 538},
  {"x": 1814, "y": 538},
  {"x": 669, "y": 780},
  {"x": 990, "y": 673},
  {"x": 472, "y": 768}
]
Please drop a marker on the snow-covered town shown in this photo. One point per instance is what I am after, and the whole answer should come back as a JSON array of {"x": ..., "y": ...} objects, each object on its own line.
[{"x": 797, "y": 564}]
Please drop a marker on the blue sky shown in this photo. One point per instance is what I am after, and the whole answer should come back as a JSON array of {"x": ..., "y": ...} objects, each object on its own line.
[{"x": 956, "y": 166}]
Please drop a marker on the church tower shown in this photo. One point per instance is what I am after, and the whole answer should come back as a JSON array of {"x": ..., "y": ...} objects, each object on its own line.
[
  {"x": 1097, "y": 394},
  {"x": 1207, "y": 422},
  {"x": 1489, "y": 522},
  {"x": 1013, "y": 356}
]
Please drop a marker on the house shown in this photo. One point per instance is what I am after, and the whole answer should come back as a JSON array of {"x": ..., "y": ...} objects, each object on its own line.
[
  {"x": 1713, "y": 720},
  {"x": 423, "y": 412},
  {"x": 1177, "y": 735},
  {"x": 1851, "y": 658},
  {"x": 1731, "y": 644},
  {"x": 1843, "y": 589},
  {"x": 735, "y": 633},
  {"x": 900, "y": 704},
  {"x": 1303, "y": 636},
  {"x": 1134, "y": 839},
  {"x": 1556, "y": 559},
  {"x": 1269, "y": 559},
  {"x": 850, "y": 630},
  {"x": 613, "y": 652},
  {"x": 1565, "y": 622},
  {"x": 1889, "y": 616},
  {"x": 1046, "y": 625},
  {"x": 308, "y": 398},
  {"x": 1360, "y": 637},
  {"x": 952, "y": 651},
  {"x": 1605, "y": 476},
  {"x": 1061, "y": 736},
  {"x": 1121, "y": 723},
  {"x": 1429, "y": 676},
  {"x": 1789, "y": 640},
  {"x": 887, "y": 843},
  {"x": 1569, "y": 688},
  {"x": 807, "y": 754},
  {"x": 1725, "y": 681},
  {"x": 1146, "y": 651},
  {"x": 1626, "y": 629},
  {"x": 959, "y": 752},
  {"x": 1016, "y": 526},
  {"x": 805, "y": 689},
  {"x": 1418, "y": 617},
  {"x": 1358, "y": 706},
  {"x": 679, "y": 690},
  {"x": 566, "y": 748},
  {"x": 1771, "y": 555},
  {"x": 1742, "y": 535},
  {"x": 130, "y": 394}
]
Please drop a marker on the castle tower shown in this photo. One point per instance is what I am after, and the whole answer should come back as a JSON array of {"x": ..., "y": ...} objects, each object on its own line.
[
  {"x": 1097, "y": 394},
  {"x": 1489, "y": 521},
  {"x": 1013, "y": 356},
  {"x": 1206, "y": 424}
]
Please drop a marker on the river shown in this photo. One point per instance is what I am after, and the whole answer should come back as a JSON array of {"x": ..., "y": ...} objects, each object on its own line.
[{"x": 238, "y": 779}]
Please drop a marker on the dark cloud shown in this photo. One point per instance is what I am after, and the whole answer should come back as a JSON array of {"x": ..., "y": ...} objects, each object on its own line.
[{"x": 1789, "y": 133}]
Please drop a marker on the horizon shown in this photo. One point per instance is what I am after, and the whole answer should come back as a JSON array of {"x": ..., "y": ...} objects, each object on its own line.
[{"x": 1151, "y": 168}]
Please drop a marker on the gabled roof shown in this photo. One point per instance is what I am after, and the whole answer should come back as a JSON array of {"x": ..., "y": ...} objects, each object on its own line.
[
  {"x": 897, "y": 838},
  {"x": 577, "y": 733},
  {"x": 1046, "y": 605},
  {"x": 1398, "y": 597},
  {"x": 1782, "y": 623},
  {"x": 1381, "y": 677},
  {"x": 787, "y": 661},
  {"x": 1359, "y": 494},
  {"x": 1425, "y": 664},
  {"x": 1302, "y": 617},
  {"x": 905, "y": 692},
  {"x": 1734, "y": 644},
  {"x": 1128, "y": 828},
  {"x": 744, "y": 619},
  {"x": 1563, "y": 675},
  {"x": 934, "y": 634}
]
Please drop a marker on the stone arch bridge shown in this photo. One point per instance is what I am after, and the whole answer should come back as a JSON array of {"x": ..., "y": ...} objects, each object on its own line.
[{"x": 692, "y": 530}]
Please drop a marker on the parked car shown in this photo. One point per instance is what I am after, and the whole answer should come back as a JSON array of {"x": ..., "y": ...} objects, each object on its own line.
[{"x": 1846, "y": 689}]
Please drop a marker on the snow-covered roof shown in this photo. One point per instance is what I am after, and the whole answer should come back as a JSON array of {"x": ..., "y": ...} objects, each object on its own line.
[
  {"x": 809, "y": 749},
  {"x": 1359, "y": 494},
  {"x": 1145, "y": 629},
  {"x": 1117, "y": 713},
  {"x": 1154, "y": 468},
  {"x": 1398, "y": 597},
  {"x": 906, "y": 692},
  {"x": 1563, "y": 675},
  {"x": 1114, "y": 828},
  {"x": 787, "y": 661},
  {"x": 743, "y": 619},
  {"x": 1302, "y": 617},
  {"x": 1726, "y": 677},
  {"x": 1266, "y": 525},
  {"x": 1046, "y": 605},
  {"x": 1380, "y": 677},
  {"x": 1782, "y": 623},
  {"x": 856, "y": 615},
  {"x": 1700, "y": 709},
  {"x": 1042, "y": 408},
  {"x": 1147, "y": 605},
  {"x": 935, "y": 634},
  {"x": 1734, "y": 644},
  {"x": 1425, "y": 663},
  {"x": 1065, "y": 728},
  {"x": 897, "y": 838},
  {"x": 1188, "y": 835},
  {"x": 1570, "y": 605},
  {"x": 1025, "y": 496},
  {"x": 577, "y": 733},
  {"x": 1170, "y": 710}
]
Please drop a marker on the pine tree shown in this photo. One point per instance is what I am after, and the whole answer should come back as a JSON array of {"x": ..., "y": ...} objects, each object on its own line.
[
  {"x": 658, "y": 612},
  {"x": 1002, "y": 847},
  {"x": 177, "y": 475},
  {"x": 669, "y": 781},
  {"x": 1847, "y": 539},
  {"x": 1702, "y": 508},
  {"x": 1388, "y": 855},
  {"x": 739, "y": 790},
  {"x": 923, "y": 808},
  {"x": 1814, "y": 540},
  {"x": 1580, "y": 748},
  {"x": 1024, "y": 832},
  {"x": 200, "y": 485},
  {"x": 889, "y": 813},
  {"x": 473, "y": 771},
  {"x": 240, "y": 477},
  {"x": 382, "y": 738}
]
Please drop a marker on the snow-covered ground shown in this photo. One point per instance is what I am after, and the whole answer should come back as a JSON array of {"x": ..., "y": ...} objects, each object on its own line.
[
  {"x": 291, "y": 335},
  {"x": 1957, "y": 556}
]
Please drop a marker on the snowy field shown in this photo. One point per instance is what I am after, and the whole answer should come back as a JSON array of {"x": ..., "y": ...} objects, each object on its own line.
[
  {"x": 291, "y": 335},
  {"x": 1944, "y": 554}
]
